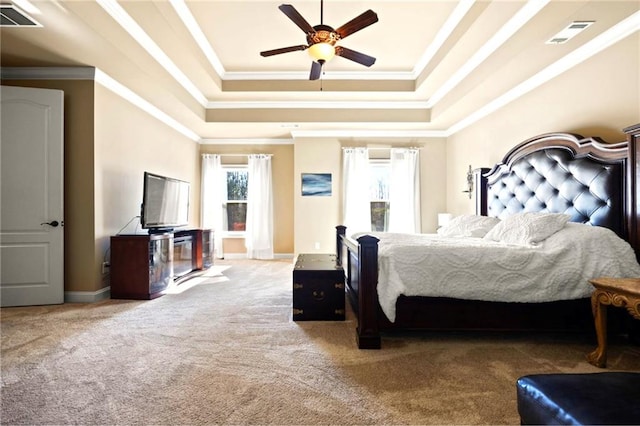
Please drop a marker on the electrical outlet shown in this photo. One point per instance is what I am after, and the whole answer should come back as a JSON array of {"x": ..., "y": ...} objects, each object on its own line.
[
  {"x": 105, "y": 267},
  {"x": 317, "y": 246}
]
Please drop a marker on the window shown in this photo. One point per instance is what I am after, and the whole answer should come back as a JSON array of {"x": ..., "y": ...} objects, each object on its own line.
[
  {"x": 235, "y": 204},
  {"x": 380, "y": 171}
]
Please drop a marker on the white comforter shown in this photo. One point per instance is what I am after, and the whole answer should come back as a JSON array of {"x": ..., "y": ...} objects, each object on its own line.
[{"x": 474, "y": 268}]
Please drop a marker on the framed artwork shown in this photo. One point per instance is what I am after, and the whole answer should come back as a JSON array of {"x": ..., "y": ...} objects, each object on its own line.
[{"x": 316, "y": 184}]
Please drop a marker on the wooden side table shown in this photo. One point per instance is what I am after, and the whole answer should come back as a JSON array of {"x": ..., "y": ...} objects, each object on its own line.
[{"x": 619, "y": 292}]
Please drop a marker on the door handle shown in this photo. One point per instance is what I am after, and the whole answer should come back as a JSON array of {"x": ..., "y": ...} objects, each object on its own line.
[{"x": 53, "y": 223}]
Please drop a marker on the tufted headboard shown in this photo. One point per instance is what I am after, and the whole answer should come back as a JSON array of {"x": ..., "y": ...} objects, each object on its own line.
[{"x": 559, "y": 173}]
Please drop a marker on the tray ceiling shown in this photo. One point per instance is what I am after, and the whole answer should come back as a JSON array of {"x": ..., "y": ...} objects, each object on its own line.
[{"x": 440, "y": 64}]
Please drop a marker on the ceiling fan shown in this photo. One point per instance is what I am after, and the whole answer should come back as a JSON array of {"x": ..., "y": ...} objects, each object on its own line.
[{"x": 322, "y": 39}]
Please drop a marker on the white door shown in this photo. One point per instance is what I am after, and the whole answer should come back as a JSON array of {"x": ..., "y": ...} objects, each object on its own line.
[{"x": 31, "y": 205}]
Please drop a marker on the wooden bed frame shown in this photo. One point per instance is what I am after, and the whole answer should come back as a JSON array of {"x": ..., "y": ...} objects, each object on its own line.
[{"x": 620, "y": 204}]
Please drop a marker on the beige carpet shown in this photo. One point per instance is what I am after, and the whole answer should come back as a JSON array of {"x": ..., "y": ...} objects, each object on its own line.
[{"x": 225, "y": 350}]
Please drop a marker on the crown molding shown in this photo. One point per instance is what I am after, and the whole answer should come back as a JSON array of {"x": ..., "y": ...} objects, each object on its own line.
[
  {"x": 369, "y": 134},
  {"x": 333, "y": 75},
  {"x": 246, "y": 141},
  {"x": 48, "y": 73},
  {"x": 319, "y": 105}
]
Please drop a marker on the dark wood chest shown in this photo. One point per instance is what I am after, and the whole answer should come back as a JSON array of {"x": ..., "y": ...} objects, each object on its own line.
[{"x": 318, "y": 288}]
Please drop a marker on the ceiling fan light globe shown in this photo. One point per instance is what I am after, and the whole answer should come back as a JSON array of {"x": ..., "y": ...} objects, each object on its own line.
[{"x": 322, "y": 52}]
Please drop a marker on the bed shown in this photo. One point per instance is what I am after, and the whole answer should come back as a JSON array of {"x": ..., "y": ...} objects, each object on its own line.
[{"x": 570, "y": 181}]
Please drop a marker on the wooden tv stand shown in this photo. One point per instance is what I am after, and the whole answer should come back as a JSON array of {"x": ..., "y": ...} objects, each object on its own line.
[{"x": 143, "y": 266}]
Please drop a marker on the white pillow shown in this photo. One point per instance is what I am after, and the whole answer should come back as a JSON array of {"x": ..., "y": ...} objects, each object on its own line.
[
  {"x": 468, "y": 226},
  {"x": 529, "y": 228}
]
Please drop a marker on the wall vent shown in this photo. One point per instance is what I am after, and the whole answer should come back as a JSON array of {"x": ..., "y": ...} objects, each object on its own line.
[
  {"x": 11, "y": 16},
  {"x": 569, "y": 32}
]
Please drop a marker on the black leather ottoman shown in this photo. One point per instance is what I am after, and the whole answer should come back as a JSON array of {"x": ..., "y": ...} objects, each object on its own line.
[{"x": 569, "y": 399}]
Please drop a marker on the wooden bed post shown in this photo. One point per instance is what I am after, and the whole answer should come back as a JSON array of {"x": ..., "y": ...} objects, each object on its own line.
[
  {"x": 633, "y": 177},
  {"x": 368, "y": 331},
  {"x": 341, "y": 230},
  {"x": 480, "y": 185}
]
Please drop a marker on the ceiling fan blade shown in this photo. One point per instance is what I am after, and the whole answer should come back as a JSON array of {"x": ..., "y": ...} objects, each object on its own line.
[
  {"x": 356, "y": 24},
  {"x": 354, "y": 56},
  {"x": 295, "y": 16},
  {"x": 316, "y": 70},
  {"x": 283, "y": 50}
]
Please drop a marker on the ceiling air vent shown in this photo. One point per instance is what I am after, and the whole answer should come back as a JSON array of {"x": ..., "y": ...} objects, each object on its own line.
[
  {"x": 11, "y": 16},
  {"x": 569, "y": 32}
]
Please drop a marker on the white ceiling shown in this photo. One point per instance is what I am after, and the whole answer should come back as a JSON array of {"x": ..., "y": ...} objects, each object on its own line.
[{"x": 441, "y": 64}]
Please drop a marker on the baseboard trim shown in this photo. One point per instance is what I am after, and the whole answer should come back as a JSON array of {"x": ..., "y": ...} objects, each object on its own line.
[
  {"x": 283, "y": 256},
  {"x": 87, "y": 296},
  {"x": 232, "y": 256}
]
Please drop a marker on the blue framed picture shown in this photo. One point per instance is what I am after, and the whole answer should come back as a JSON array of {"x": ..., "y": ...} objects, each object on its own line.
[{"x": 316, "y": 184}]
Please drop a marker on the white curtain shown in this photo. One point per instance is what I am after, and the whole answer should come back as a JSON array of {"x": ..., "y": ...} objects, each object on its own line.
[
  {"x": 404, "y": 191},
  {"x": 356, "y": 201},
  {"x": 211, "y": 199},
  {"x": 259, "y": 230}
]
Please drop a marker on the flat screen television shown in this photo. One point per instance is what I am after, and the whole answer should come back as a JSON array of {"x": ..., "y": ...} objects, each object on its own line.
[{"x": 165, "y": 203}]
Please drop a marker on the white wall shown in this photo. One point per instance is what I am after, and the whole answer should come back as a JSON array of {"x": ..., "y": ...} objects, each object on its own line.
[
  {"x": 129, "y": 142},
  {"x": 599, "y": 97},
  {"x": 433, "y": 182},
  {"x": 315, "y": 218}
]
